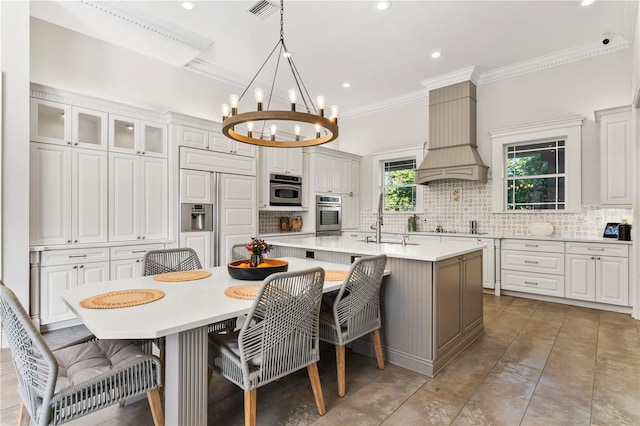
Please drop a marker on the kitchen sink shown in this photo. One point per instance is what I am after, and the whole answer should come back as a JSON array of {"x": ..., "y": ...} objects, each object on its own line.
[{"x": 389, "y": 242}]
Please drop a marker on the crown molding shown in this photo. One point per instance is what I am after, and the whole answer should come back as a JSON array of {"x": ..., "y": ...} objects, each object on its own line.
[
  {"x": 131, "y": 16},
  {"x": 549, "y": 61},
  {"x": 466, "y": 74},
  {"x": 420, "y": 95}
]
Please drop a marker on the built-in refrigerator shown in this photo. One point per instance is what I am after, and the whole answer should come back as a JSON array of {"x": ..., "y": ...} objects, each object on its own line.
[{"x": 218, "y": 210}]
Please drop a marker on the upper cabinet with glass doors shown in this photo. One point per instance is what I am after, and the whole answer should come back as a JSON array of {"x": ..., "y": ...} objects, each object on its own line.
[
  {"x": 60, "y": 124},
  {"x": 133, "y": 136}
]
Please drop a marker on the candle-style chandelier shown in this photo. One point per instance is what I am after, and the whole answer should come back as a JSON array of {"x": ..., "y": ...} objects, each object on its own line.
[{"x": 259, "y": 127}]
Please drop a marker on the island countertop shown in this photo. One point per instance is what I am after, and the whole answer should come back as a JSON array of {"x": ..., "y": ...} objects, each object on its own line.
[{"x": 431, "y": 252}]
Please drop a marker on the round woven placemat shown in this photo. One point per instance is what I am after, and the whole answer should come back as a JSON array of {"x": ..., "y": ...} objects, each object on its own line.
[
  {"x": 173, "y": 277},
  {"x": 121, "y": 299},
  {"x": 244, "y": 292},
  {"x": 334, "y": 275}
]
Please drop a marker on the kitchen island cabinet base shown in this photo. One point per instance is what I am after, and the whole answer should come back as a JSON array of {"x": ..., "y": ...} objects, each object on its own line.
[{"x": 431, "y": 311}]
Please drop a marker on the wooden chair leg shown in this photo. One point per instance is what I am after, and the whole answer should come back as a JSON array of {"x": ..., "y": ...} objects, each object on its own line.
[
  {"x": 340, "y": 366},
  {"x": 209, "y": 376},
  {"x": 24, "y": 418},
  {"x": 155, "y": 403},
  {"x": 162, "y": 357},
  {"x": 250, "y": 398},
  {"x": 375, "y": 334},
  {"x": 314, "y": 377}
]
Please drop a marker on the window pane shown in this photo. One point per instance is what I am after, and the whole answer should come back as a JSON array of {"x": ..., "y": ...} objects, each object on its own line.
[
  {"x": 400, "y": 199},
  {"x": 399, "y": 185},
  {"x": 535, "y": 178}
]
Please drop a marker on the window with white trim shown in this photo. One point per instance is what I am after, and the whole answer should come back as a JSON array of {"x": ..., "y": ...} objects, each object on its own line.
[
  {"x": 394, "y": 176},
  {"x": 399, "y": 185},
  {"x": 537, "y": 167},
  {"x": 535, "y": 176}
]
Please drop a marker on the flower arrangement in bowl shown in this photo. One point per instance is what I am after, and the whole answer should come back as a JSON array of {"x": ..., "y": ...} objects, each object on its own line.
[
  {"x": 257, "y": 248},
  {"x": 256, "y": 267}
]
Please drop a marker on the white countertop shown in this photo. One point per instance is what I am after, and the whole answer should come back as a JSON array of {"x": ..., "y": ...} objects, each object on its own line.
[
  {"x": 431, "y": 252},
  {"x": 552, "y": 237}
]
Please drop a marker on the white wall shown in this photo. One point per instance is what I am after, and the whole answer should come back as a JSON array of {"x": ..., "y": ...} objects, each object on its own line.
[{"x": 14, "y": 54}]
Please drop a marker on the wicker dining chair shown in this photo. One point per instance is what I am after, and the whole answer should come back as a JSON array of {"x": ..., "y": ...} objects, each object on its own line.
[
  {"x": 177, "y": 260},
  {"x": 239, "y": 252},
  {"x": 62, "y": 385},
  {"x": 279, "y": 337},
  {"x": 170, "y": 260},
  {"x": 355, "y": 312}
]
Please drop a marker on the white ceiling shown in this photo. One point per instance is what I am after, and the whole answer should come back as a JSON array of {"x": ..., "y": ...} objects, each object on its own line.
[{"x": 386, "y": 56}]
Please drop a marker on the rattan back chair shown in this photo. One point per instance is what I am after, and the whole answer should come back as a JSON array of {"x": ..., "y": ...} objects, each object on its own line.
[
  {"x": 62, "y": 385},
  {"x": 170, "y": 260},
  {"x": 177, "y": 260},
  {"x": 279, "y": 337},
  {"x": 355, "y": 312},
  {"x": 239, "y": 252}
]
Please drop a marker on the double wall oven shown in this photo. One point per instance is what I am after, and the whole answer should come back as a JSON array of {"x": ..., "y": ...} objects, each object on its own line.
[{"x": 328, "y": 215}]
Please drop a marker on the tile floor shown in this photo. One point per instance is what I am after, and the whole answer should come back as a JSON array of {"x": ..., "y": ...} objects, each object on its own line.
[{"x": 538, "y": 363}]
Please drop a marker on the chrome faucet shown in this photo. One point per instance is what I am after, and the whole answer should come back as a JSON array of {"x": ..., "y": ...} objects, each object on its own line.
[
  {"x": 405, "y": 235},
  {"x": 378, "y": 225}
]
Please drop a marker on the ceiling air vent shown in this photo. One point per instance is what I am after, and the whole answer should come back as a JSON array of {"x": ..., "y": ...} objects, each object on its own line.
[{"x": 262, "y": 9}]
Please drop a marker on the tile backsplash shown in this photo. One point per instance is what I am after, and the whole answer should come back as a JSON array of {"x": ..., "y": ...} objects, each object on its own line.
[{"x": 453, "y": 203}]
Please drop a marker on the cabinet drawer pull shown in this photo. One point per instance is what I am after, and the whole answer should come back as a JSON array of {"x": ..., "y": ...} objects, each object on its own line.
[
  {"x": 531, "y": 261},
  {"x": 71, "y": 256},
  {"x": 531, "y": 245},
  {"x": 531, "y": 282},
  {"x": 595, "y": 248},
  {"x": 138, "y": 251}
]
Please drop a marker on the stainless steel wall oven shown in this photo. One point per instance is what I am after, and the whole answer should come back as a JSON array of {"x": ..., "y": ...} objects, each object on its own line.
[{"x": 285, "y": 190}]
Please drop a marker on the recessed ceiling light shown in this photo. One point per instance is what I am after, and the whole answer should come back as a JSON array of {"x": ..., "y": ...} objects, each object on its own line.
[
  {"x": 383, "y": 5},
  {"x": 188, "y": 5},
  {"x": 587, "y": 2},
  {"x": 436, "y": 54},
  {"x": 346, "y": 84}
]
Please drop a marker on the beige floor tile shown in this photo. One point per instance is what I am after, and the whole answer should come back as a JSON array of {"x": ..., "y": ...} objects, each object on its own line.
[
  {"x": 529, "y": 351},
  {"x": 503, "y": 396},
  {"x": 552, "y": 406},
  {"x": 423, "y": 408}
]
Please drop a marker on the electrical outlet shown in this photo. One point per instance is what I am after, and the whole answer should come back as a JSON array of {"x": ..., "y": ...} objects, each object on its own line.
[{"x": 424, "y": 220}]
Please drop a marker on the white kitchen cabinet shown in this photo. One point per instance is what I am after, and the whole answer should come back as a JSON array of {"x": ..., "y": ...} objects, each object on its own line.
[
  {"x": 350, "y": 176},
  {"x": 126, "y": 261},
  {"x": 220, "y": 143},
  {"x": 350, "y": 211},
  {"x": 62, "y": 270},
  {"x": 132, "y": 136},
  {"x": 328, "y": 174},
  {"x": 60, "y": 124},
  {"x": 601, "y": 276},
  {"x": 138, "y": 197},
  {"x": 68, "y": 195},
  {"x": 283, "y": 161},
  {"x": 488, "y": 257},
  {"x": 238, "y": 220},
  {"x": 533, "y": 266},
  {"x": 193, "y": 137},
  {"x": 195, "y": 187},
  {"x": 616, "y": 156},
  {"x": 200, "y": 242}
]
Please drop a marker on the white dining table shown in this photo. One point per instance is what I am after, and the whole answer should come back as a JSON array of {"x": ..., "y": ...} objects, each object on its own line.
[{"x": 181, "y": 316}]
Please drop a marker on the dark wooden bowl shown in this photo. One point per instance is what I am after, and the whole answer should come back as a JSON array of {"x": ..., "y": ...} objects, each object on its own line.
[{"x": 256, "y": 274}]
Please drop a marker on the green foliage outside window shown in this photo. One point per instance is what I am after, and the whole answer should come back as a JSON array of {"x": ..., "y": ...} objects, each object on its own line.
[{"x": 399, "y": 186}]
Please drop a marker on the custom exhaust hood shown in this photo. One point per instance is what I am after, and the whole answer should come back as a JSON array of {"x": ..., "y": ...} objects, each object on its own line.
[{"x": 452, "y": 152}]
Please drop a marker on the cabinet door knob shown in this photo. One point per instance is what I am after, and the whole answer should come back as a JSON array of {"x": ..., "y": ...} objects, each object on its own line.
[
  {"x": 592, "y": 257},
  {"x": 81, "y": 266},
  {"x": 75, "y": 267},
  {"x": 68, "y": 143},
  {"x": 75, "y": 241},
  {"x": 138, "y": 236},
  {"x": 143, "y": 152},
  {"x": 68, "y": 241}
]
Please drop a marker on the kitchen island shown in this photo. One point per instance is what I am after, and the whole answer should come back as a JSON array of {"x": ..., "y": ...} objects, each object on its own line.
[{"x": 431, "y": 302}]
